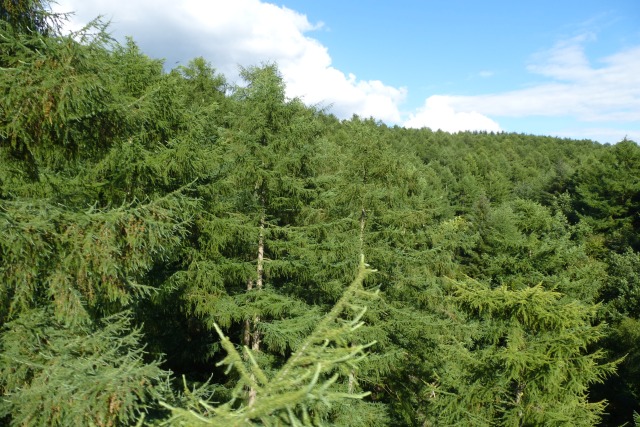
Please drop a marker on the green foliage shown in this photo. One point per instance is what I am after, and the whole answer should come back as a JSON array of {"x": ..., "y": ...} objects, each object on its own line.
[
  {"x": 56, "y": 374},
  {"x": 225, "y": 216},
  {"x": 78, "y": 261},
  {"x": 300, "y": 391},
  {"x": 523, "y": 242},
  {"x": 622, "y": 288},
  {"x": 526, "y": 361},
  {"x": 56, "y": 104},
  {"x": 608, "y": 193},
  {"x": 254, "y": 228},
  {"x": 623, "y": 389},
  {"x": 29, "y": 16}
]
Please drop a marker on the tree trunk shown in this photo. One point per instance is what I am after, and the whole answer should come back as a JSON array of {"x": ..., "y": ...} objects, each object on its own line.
[
  {"x": 247, "y": 323},
  {"x": 255, "y": 344},
  {"x": 363, "y": 217},
  {"x": 252, "y": 336}
]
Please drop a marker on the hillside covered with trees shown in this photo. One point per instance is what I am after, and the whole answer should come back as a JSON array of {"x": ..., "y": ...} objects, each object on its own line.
[{"x": 177, "y": 250}]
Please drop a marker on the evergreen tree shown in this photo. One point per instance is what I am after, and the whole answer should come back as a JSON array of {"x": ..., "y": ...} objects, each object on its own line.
[
  {"x": 522, "y": 242},
  {"x": 253, "y": 270},
  {"x": 77, "y": 246},
  {"x": 607, "y": 194},
  {"x": 29, "y": 16},
  {"x": 525, "y": 361},
  {"x": 175, "y": 213},
  {"x": 59, "y": 374}
]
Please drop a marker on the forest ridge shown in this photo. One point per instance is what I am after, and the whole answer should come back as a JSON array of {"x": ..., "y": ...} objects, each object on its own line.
[{"x": 177, "y": 250}]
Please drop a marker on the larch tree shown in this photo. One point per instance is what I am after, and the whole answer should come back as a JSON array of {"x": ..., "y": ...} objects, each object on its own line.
[
  {"x": 301, "y": 392},
  {"x": 76, "y": 247},
  {"x": 525, "y": 361},
  {"x": 253, "y": 268},
  {"x": 155, "y": 221}
]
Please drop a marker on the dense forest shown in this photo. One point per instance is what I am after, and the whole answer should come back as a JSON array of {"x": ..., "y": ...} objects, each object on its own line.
[{"x": 177, "y": 250}]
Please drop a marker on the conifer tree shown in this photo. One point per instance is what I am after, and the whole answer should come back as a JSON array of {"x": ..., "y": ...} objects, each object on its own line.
[
  {"x": 406, "y": 225},
  {"x": 252, "y": 267},
  {"x": 303, "y": 389},
  {"x": 174, "y": 213},
  {"x": 29, "y": 16},
  {"x": 606, "y": 192},
  {"x": 78, "y": 245},
  {"x": 525, "y": 361},
  {"x": 58, "y": 374},
  {"x": 522, "y": 242}
]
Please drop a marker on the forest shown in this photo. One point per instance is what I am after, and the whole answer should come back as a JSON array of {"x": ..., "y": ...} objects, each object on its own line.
[{"x": 176, "y": 250}]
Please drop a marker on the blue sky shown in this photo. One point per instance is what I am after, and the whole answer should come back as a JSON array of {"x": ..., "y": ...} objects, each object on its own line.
[{"x": 563, "y": 68}]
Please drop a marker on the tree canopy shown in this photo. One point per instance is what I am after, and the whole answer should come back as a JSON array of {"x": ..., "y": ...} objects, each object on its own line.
[{"x": 178, "y": 250}]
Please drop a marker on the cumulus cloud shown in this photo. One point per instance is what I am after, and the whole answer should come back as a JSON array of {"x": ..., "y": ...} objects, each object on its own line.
[
  {"x": 575, "y": 87},
  {"x": 245, "y": 32},
  {"x": 438, "y": 113},
  {"x": 602, "y": 134}
]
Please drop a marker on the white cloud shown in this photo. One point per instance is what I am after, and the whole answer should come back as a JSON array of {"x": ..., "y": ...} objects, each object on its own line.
[
  {"x": 244, "y": 32},
  {"x": 602, "y": 134},
  {"x": 575, "y": 88},
  {"x": 438, "y": 113},
  {"x": 565, "y": 61}
]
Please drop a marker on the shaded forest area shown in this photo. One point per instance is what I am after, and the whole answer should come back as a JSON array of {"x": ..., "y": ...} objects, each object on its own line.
[{"x": 176, "y": 250}]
